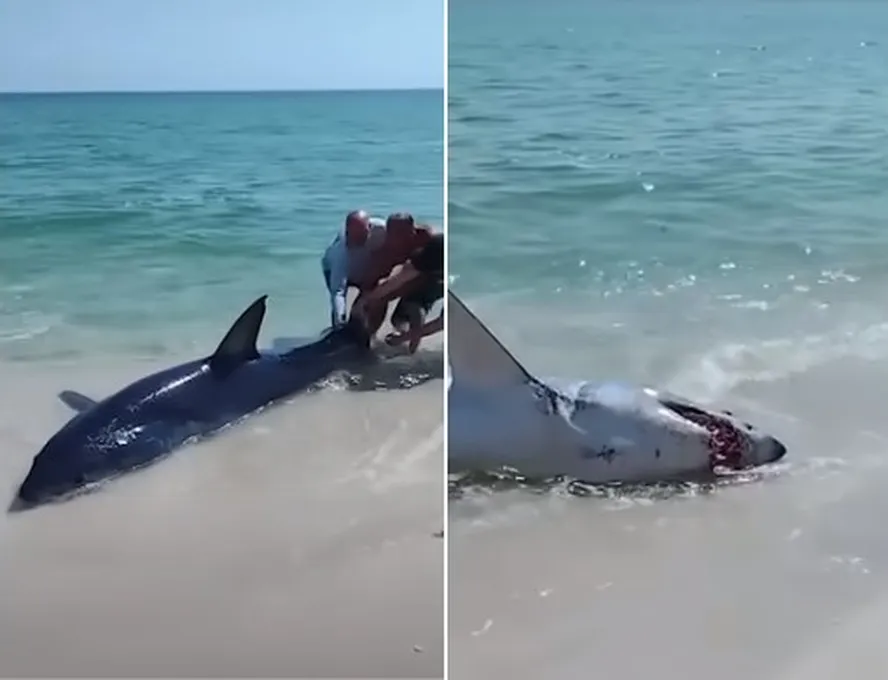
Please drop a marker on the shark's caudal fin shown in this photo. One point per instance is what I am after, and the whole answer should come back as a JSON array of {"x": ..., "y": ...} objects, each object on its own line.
[
  {"x": 76, "y": 401},
  {"x": 239, "y": 344},
  {"x": 476, "y": 356}
]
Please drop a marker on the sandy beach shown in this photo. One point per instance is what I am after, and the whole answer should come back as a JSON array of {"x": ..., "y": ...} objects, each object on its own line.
[{"x": 298, "y": 543}]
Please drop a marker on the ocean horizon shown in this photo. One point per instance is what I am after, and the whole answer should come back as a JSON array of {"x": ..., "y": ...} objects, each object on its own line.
[{"x": 232, "y": 91}]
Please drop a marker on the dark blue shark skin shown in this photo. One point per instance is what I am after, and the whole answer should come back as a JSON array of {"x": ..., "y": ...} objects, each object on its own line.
[{"x": 155, "y": 415}]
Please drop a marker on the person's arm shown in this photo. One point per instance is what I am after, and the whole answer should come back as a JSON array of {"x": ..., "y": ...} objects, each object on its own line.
[
  {"x": 413, "y": 338},
  {"x": 427, "y": 260},
  {"x": 391, "y": 288},
  {"x": 336, "y": 259},
  {"x": 436, "y": 325}
]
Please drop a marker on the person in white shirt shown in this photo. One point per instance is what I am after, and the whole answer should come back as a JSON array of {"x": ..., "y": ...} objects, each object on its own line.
[{"x": 349, "y": 261}]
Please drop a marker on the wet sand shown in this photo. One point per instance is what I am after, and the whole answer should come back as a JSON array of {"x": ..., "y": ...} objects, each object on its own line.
[{"x": 298, "y": 543}]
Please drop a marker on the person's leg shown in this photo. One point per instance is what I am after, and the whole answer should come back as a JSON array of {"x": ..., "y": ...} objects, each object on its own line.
[
  {"x": 408, "y": 313},
  {"x": 412, "y": 307},
  {"x": 427, "y": 295},
  {"x": 431, "y": 293}
]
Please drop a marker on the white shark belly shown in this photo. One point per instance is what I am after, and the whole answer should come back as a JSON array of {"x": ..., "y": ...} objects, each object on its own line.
[
  {"x": 619, "y": 432},
  {"x": 630, "y": 439},
  {"x": 494, "y": 429}
]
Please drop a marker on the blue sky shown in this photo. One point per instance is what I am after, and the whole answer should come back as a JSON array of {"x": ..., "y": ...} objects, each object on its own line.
[{"x": 111, "y": 45}]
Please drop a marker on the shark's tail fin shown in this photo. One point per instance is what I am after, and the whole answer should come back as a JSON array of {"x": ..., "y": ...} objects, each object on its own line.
[{"x": 476, "y": 357}]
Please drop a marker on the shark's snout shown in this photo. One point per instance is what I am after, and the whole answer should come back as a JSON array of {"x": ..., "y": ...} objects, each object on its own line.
[
  {"x": 778, "y": 449},
  {"x": 25, "y": 499},
  {"x": 18, "y": 505},
  {"x": 42, "y": 484}
]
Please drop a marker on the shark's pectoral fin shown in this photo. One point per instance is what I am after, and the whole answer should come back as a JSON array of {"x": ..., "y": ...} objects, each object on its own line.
[{"x": 76, "y": 401}]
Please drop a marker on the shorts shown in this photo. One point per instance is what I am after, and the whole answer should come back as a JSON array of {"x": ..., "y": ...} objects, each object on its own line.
[{"x": 421, "y": 299}]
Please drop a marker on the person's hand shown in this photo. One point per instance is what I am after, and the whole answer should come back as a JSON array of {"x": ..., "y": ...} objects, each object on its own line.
[
  {"x": 413, "y": 339},
  {"x": 394, "y": 339}
]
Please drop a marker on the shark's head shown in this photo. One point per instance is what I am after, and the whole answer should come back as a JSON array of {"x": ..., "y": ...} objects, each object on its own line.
[
  {"x": 60, "y": 469},
  {"x": 685, "y": 437},
  {"x": 734, "y": 443},
  {"x": 91, "y": 448}
]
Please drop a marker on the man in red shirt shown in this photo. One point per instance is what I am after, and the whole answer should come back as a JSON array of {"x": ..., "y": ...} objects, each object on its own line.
[{"x": 419, "y": 283}]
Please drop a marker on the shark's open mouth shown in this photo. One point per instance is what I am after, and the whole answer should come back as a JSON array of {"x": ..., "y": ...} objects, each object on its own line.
[{"x": 727, "y": 444}]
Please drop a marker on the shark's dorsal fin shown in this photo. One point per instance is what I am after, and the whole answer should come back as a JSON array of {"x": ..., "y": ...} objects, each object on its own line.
[
  {"x": 76, "y": 401},
  {"x": 239, "y": 344},
  {"x": 476, "y": 356}
]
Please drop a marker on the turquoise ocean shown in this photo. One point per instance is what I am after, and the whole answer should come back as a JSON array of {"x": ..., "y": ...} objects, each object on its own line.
[
  {"x": 188, "y": 206},
  {"x": 134, "y": 229},
  {"x": 689, "y": 195}
]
